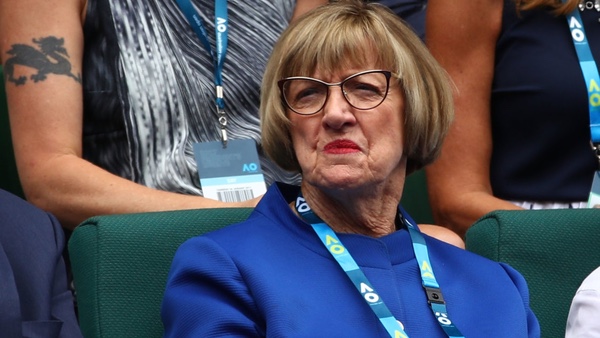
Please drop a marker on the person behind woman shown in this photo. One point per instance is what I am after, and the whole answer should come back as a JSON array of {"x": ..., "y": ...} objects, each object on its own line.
[
  {"x": 521, "y": 136},
  {"x": 352, "y": 100},
  {"x": 35, "y": 299},
  {"x": 108, "y": 98},
  {"x": 411, "y": 11},
  {"x": 582, "y": 321}
]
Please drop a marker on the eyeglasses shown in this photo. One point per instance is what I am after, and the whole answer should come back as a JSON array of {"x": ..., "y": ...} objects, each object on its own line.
[{"x": 307, "y": 96}]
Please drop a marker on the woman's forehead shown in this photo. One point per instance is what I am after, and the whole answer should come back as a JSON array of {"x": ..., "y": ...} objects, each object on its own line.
[
  {"x": 353, "y": 62},
  {"x": 341, "y": 73}
]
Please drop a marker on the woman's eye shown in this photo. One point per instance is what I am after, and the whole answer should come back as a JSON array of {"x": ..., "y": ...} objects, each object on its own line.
[
  {"x": 310, "y": 95},
  {"x": 362, "y": 88},
  {"x": 306, "y": 92},
  {"x": 367, "y": 87}
]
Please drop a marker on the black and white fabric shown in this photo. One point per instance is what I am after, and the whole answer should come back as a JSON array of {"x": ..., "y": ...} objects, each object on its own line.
[{"x": 149, "y": 90}]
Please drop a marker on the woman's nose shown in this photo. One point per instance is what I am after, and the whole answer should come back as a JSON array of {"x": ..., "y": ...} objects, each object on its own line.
[{"x": 337, "y": 112}]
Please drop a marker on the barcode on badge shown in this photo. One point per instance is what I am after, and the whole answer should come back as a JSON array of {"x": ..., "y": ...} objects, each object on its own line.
[{"x": 234, "y": 195}]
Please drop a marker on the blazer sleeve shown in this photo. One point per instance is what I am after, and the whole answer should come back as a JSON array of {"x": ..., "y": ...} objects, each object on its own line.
[
  {"x": 206, "y": 295},
  {"x": 62, "y": 297},
  {"x": 533, "y": 326},
  {"x": 32, "y": 241}
]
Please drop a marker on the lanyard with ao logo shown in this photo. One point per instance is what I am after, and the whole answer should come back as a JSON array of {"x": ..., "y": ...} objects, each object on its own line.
[
  {"x": 237, "y": 175},
  {"x": 362, "y": 284},
  {"x": 221, "y": 26},
  {"x": 589, "y": 69}
]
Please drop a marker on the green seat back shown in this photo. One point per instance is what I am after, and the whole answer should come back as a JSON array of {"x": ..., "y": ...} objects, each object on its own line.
[
  {"x": 553, "y": 249},
  {"x": 9, "y": 179},
  {"x": 120, "y": 265}
]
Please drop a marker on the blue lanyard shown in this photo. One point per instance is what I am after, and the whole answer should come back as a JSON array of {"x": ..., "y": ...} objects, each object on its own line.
[
  {"x": 590, "y": 72},
  {"x": 430, "y": 284},
  {"x": 366, "y": 289},
  {"x": 221, "y": 29}
]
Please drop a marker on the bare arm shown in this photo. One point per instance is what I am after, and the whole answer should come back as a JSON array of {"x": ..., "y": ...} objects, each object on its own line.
[
  {"x": 462, "y": 35},
  {"x": 303, "y": 6},
  {"x": 443, "y": 234},
  {"x": 46, "y": 121}
]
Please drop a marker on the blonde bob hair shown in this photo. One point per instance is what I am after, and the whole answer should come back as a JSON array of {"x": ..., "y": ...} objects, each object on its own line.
[{"x": 344, "y": 34}]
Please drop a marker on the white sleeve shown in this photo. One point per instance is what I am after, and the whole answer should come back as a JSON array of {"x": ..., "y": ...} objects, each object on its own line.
[{"x": 584, "y": 315}]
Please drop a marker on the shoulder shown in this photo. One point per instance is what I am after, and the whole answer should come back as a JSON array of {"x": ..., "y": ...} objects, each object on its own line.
[
  {"x": 270, "y": 218},
  {"x": 452, "y": 254},
  {"x": 22, "y": 222},
  {"x": 454, "y": 259},
  {"x": 592, "y": 281},
  {"x": 14, "y": 205},
  {"x": 237, "y": 240},
  {"x": 585, "y": 308},
  {"x": 17, "y": 210},
  {"x": 271, "y": 225},
  {"x": 482, "y": 276}
]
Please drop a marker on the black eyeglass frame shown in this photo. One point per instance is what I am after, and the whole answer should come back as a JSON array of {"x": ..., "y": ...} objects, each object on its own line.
[{"x": 386, "y": 73}]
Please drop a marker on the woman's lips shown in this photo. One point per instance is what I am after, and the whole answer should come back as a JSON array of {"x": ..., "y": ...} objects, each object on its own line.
[{"x": 341, "y": 147}]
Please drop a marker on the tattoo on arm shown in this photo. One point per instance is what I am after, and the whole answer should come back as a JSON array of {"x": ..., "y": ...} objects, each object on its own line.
[{"x": 47, "y": 55}]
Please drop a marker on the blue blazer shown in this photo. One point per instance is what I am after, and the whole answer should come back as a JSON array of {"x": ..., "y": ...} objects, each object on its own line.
[
  {"x": 271, "y": 276},
  {"x": 34, "y": 297}
]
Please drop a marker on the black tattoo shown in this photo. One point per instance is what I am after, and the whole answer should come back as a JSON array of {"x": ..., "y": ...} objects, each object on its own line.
[{"x": 51, "y": 58}]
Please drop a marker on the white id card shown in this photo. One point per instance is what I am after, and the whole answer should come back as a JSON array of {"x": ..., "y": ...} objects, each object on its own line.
[
  {"x": 594, "y": 199},
  {"x": 231, "y": 174}
]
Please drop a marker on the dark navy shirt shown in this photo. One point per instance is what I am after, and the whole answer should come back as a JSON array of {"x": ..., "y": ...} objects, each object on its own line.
[
  {"x": 411, "y": 11},
  {"x": 539, "y": 109}
]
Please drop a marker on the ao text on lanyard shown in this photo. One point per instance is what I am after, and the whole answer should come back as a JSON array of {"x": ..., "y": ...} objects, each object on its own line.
[
  {"x": 590, "y": 74},
  {"x": 221, "y": 30}
]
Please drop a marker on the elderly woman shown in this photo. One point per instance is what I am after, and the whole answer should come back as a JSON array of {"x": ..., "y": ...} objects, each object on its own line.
[{"x": 353, "y": 101}]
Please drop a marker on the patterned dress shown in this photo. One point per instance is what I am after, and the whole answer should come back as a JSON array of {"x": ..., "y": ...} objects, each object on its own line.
[{"x": 149, "y": 90}]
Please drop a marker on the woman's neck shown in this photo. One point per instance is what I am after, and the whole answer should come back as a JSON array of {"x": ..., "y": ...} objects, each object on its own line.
[{"x": 371, "y": 212}]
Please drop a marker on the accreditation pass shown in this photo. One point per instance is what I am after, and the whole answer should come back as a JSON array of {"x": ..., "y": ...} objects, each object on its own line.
[{"x": 231, "y": 173}]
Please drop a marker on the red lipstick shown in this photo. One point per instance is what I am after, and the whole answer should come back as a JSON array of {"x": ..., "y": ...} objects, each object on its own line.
[{"x": 341, "y": 147}]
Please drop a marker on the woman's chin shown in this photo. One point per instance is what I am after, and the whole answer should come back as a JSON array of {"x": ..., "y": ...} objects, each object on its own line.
[{"x": 338, "y": 180}]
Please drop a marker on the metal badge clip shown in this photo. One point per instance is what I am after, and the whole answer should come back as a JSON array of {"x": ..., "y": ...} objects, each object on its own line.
[
  {"x": 223, "y": 124},
  {"x": 434, "y": 295},
  {"x": 596, "y": 150}
]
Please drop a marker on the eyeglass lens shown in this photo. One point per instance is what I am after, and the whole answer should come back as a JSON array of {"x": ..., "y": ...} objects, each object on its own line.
[{"x": 362, "y": 91}]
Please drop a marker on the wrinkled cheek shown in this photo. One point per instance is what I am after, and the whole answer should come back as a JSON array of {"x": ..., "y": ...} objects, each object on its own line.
[{"x": 303, "y": 155}]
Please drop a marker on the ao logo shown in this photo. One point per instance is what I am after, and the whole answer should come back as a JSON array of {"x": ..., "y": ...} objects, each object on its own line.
[
  {"x": 368, "y": 293},
  {"x": 301, "y": 205},
  {"x": 576, "y": 30},
  {"x": 443, "y": 318},
  {"x": 250, "y": 167},
  {"x": 221, "y": 25},
  {"x": 579, "y": 36},
  {"x": 595, "y": 96}
]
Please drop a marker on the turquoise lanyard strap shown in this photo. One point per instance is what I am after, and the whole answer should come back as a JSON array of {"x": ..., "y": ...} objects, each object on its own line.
[
  {"x": 430, "y": 284},
  {"x": 221, "y": 29},
  {"x": 366, "y": 289},
  {"x": 590, "y": 73}
]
